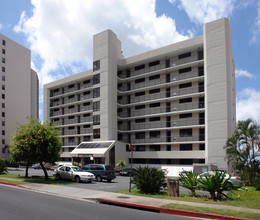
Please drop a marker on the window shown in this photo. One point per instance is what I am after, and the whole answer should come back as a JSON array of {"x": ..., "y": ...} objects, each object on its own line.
[
  {"x": 3, "y": 105},
  {"x": 86, "y": 138},
  {"x": 140, "y": 135},
  {"x": 96, "y": 133},
  {"x": 185, "y": 70},
  {"x": 3, "y": 123},
  {"x": 155, "y": 134},
  {"x": 3, "y": 42},
  {"x": 157, "y": 62},
  {"x": 202, "y": 146},
  {"x": 96, "y": 92},
  {"x": 3, "y": 114},
  {"x": 3, "y": 141},
  {"x": 3, "y": 132},
  {"x": 139, "y": 67},
  {"x": 70, "y": 107},
  {"x": 3, "y": 69},
  {"x": 3, "y": 87},
  {"x": 96, "y": 79},
  {"x": 86, "y": 115},
  {"x": 155, "y": 119},
  {"x": 3, "y": 96},
  {"x": 86, "y": 82},
  {"x": 154, "y": 91},
  {"x": 3, "y": 78},
  {"x": 3, "y": 60},
  {"x": 184, "y": 55},
  {"x": 141, "y": 148},
  {"x": 186, "y": 132},
  {"x": 185, "y": 100},
  {"x": 71, "y": 86},
  {"x": 139, "y": 107},
  {"x": 154, "y": 77},
  {"x": 96, "y": 120},
  {"x": 185, "y": 85},
  {"x": 96, "y": 65},
  {"x": 3, "y": 51},
  {"x": 96, "y": 106},
  {"x": 140, "y": 120},
  {"x": 187, "y": 115},
  {"x": 56, "y": 110},
  {"x": 71, "y": 128},
  {"x": 71, "y": 96},
  {"x": 71, "y": 139},
  {"x": 86, "y": 103},
  {"x": 86, "y": 126},
  {"x": 153, "y": 105},
  {"x": 71, "y": 117},
  {"x": 186, "y": 161},
  {"x": 139, "y": 93},
  {"x": 154, "y": 147},
  {"x": 185, "y": 147},
  {"x": 86, "y": 93},
  {"x": 140, "y": 80}
]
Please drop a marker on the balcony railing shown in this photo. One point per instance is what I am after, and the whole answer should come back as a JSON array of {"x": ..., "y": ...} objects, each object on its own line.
[
  {"x": 163, "y": 124},
  {"x": 191, "y": 90},
  {"x": 174, "y": 63},
  {"x": 159, "y": 110}
]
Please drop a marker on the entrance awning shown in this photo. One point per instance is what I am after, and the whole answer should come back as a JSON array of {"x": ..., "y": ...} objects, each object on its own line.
[{"x": 95, "y": 149}]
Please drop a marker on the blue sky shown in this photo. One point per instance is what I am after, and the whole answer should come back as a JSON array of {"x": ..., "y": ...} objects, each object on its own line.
[{"x": 59, "y": 33}]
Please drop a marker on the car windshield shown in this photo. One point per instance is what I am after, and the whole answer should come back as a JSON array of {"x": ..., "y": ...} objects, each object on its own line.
[{"x": 76, "y": 169}]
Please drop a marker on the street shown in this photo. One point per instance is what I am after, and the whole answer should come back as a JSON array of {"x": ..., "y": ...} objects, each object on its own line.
[{"x": 19, "y": 204}]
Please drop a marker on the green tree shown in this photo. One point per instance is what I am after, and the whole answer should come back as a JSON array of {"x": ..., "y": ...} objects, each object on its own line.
[
  {"x": 241, "y": 152},
  {"x": 3, "y": 165},
  {"x": 121, "y": 163},
  {"x": 35, "y": 142}
]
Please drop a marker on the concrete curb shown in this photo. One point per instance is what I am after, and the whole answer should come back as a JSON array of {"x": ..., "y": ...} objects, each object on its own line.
[
  {"x": 10, "y": 184},
  {"x": 168, "y": 210}
]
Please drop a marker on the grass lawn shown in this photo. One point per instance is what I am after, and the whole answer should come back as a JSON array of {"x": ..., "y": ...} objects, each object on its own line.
[
  {"x": 239, "y": 198},
  {"x": 17, "y": 179}
]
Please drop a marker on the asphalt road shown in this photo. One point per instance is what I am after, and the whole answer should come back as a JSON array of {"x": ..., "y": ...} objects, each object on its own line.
[{"x": 20, "y": 204}]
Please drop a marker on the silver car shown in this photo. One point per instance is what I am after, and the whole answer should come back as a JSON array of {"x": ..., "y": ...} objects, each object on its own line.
[
  {"x": 73, "y": 173},
  {"x": 234, "y": 181}
]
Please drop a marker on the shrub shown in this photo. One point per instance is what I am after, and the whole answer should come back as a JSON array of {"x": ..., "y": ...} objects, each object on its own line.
[
  {"x": 257, "y": 183},
  {"x": 189, "y": 180},
  {"x": 149, "y": 180},
  {"x": 3, "y": 166},
  {"x": 214, "y": 182}
]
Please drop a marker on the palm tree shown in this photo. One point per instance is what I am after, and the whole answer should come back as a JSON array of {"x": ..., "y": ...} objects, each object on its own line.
[{"x": 240, "y": 149}]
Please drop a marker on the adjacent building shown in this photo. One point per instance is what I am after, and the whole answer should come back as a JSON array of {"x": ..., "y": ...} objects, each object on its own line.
[
  {"x": 175, "y": 104},
  {"x": 19, "y": 90}
]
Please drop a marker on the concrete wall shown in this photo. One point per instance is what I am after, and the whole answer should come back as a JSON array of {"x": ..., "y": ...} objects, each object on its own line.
[{"x": 219, "y": 89}]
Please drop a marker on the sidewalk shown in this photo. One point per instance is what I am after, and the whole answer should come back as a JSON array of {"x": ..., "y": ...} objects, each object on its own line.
[{"x": 140, "y": 202}]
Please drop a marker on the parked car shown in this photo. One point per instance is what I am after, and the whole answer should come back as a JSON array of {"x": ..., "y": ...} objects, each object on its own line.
[
  {"x": 127, "y": 172},
  {"x": 73, "y": 173},
  {"x": 38, "y": 166},
  {"x": 234, "y": 181},
  {"x": 101, "y": 171}
]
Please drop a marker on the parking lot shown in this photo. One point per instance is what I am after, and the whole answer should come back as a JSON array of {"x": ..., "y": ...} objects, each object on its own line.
[{"x": 120, "y": 183}]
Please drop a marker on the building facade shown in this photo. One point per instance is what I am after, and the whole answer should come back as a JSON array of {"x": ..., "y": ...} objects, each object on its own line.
[
  {"x": 176, "y": 104},
  {"x": 19, "y": 90}
]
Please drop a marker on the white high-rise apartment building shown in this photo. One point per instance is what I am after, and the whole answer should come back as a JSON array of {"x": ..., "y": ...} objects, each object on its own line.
[
  {"x": 19, "y": 90},
  {"x": 176, "y": 104}
]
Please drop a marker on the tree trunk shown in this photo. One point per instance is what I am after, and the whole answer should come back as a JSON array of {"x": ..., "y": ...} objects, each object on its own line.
[
  {"x": 26, "y": 170},
  {"x": 45, "y": 171}
]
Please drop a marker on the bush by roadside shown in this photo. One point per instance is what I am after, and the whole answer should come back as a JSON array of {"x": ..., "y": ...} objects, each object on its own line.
[{"x": 3, "y": 166}]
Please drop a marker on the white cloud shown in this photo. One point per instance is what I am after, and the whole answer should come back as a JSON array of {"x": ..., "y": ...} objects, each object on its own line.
[
  {"x": 1, "y": 26},
  {"x": 256, "y": 28},
  {"x": 203, "y": 11},
  {"x": 60, "y": 32},
  {"x": 248, "y": 105},
  {"x": 244, "y": 73}
]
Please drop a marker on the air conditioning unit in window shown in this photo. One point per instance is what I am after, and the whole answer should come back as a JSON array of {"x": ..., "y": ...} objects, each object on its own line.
[
  {"x": 174, "y": 94},
  {"x": 174, "y": 79},
  {"x": 174, "y": 109},
  {"x": 174, "y": 64},
  {"x": 174, "y": 139},
  {"x": 174, "y": 124}
]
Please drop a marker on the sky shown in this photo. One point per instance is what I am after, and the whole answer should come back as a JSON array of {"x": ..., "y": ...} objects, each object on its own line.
[{"x": 59, "y": 34}]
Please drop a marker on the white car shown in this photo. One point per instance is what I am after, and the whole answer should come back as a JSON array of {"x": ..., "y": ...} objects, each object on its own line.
[
  {"x": 234, "y": 181},
  {"x": 73, "y": 173}
]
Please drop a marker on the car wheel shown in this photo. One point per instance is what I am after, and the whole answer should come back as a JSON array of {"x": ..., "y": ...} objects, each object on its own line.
[
  {"x": 58, "y": 177},
  {"x": 77, "y": 179},
  {"x": 90, "y": 181},
  {"x": 99, "y": 178},
  {"x": 109, "y": 181}
]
